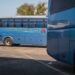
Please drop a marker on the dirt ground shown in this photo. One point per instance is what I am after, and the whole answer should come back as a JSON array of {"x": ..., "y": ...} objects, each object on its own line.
[
  {"x": 26, "y": 60},
  {"x": 37, "y": 53}
]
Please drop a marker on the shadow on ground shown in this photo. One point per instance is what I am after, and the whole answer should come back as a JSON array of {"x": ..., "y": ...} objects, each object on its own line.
[
  {"x": 14, "y": 66},
  {"x": 17, "y": 45}
]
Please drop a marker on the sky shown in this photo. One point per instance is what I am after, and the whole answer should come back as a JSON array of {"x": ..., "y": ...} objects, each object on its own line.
[{"x": 8, "y": 7}]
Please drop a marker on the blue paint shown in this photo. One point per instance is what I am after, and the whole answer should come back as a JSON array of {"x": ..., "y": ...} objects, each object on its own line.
[
  {"x": 21, "y": 34},
  {"x": 61, "y": 31}
]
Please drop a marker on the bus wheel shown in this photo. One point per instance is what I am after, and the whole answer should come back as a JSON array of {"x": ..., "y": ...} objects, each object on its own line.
[{"x": 8, "y": 42}]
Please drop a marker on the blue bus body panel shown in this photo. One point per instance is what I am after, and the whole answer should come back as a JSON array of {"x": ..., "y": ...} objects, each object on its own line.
[
  {"x": 59, "y": 45},
  {"x": 27, "y": 36},
  {"x": 61, "y": 35}
]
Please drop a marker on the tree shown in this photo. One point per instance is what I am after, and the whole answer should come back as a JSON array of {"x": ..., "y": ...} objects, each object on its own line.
[
  {"x": 40, "y": 9},
  {"x": 25, "y": 9},
  {"x": 28, "y": 9}
]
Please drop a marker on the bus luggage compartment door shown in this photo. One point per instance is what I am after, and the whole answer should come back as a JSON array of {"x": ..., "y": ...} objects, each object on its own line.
[
  {"x": 58, "y": 44},
  {"x": 52, "y": 43},
  {"x": 72, "y": 46},
  {"x": 63, "y": 40}
]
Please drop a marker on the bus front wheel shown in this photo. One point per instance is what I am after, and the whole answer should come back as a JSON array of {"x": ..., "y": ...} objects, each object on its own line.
[{"x": 8, "y": 42}]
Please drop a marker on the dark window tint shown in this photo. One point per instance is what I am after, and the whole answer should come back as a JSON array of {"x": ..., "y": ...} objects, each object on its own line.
[
  {"x": 0, "y": 23},
  {"x": 4, "y": 22},
  {"x": 61, "y": 5},
  {"x": 33, "y": 23},
  {"x": 44, "y": 23},
  {"x": 17, "y": 22},
  {"x": 10, "y": 22},
  {"x": 36, "y": 23},
  {"x": 41, "y": 23},
  {"x": 25, "y": 22}
]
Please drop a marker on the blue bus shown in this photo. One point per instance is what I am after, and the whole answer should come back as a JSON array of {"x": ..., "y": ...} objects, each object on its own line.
[
  {"x": 27, "y": 30},
  {"x": 61, "y": 30}
]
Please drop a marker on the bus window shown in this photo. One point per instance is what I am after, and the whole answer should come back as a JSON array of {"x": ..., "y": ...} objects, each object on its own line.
[
  {"x": 39, "y": 23},
  {"x": 44, "y": 25},
  {"x": 18, "y": 22},
  {"x": 32, "y": 23},
  {"x": 4, "y": 22},
  {"x": 10, "y": 22},
  {"x": 0, "y": 23},
  {"x": 25, "y": 23},
  {"x": 61, "y": 5}
]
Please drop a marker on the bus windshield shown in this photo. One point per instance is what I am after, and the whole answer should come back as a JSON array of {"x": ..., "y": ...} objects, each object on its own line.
[{"x": 61, "y": 5}]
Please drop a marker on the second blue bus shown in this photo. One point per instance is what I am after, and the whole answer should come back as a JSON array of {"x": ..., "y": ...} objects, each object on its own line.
[{"x": 28, "y": 30}]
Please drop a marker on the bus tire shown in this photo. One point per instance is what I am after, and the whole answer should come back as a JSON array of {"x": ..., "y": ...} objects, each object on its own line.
[{"x": 8, "y": 42}]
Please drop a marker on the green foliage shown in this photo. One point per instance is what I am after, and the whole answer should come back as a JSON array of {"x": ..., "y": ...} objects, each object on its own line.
[
  {"x": 41, "y": 9},
  {"x": 27, "y": 9}
]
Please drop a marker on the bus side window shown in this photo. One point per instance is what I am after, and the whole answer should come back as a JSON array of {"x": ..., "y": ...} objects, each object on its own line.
[
  {"x": 10, "y": 23},
  {"x": 61, "y": 5},
  {"x": 0, "y": 23},
  {"x": 22, "y": 23},
  {"x": 29, "y": 25},
  {"x": 44, "y": 23},
  {"x": 14, "y": 25},
  {"x": 32, "y": 23},
  {"x": 37, "y": 23},
  {"x": 17, "y": 22},
  {"x": 25, "y": 23},
  {"x": 4, "y": 22}
]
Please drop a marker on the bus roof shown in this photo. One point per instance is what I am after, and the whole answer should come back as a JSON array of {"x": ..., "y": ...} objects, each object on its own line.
[{"x": 26, "y": 17}]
